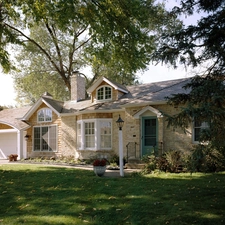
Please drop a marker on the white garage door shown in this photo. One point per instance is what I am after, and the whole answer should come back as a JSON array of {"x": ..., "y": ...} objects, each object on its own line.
[{"x": 8, "y": 144}]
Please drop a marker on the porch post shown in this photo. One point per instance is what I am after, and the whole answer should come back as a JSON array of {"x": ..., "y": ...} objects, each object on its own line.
[{"x": 120, "y": 125}]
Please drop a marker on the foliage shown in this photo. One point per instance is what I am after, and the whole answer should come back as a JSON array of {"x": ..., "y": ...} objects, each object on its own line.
[
  {"x": 172, "y": 161},
  {"x": 200, "y": 46},
  {"x": 37, "y": 194},
  {"x": 115, "y": 159},
  {"x": 204, "y": 159},
  {"x": 116, "y": 36},
  {"x": 99, "y": 162}
]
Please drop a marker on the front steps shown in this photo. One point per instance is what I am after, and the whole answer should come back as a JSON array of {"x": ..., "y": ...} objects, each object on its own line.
[{"x": 135, "y": 164}]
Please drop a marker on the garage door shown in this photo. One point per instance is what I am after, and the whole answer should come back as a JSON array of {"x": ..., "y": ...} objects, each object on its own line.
[{"x": 8, "y": 144}]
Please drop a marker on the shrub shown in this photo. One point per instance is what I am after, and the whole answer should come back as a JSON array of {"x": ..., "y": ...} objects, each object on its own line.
[
  {"x": 115, "y": 159},
  {"x": 204, "y": 158},
  {"x": 171, "y": 161},
  {"x": 175, "y": 160}
]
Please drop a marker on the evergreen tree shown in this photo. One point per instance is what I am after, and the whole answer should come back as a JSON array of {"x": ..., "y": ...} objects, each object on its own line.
[{"x": 201, "y": 45}]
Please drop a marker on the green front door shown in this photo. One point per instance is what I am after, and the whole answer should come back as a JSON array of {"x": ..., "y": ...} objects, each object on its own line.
[{"x": 149, "y": 135}]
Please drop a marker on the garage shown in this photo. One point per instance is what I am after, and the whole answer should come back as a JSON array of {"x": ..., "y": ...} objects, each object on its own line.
[{"x": 8, "y": 143}]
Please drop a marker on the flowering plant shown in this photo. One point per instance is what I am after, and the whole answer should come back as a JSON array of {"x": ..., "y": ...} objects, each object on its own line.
[{"x": 99, "y": 162}]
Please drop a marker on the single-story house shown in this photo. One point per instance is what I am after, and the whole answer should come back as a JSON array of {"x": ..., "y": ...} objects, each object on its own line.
[{"x": 84, "y": 127}]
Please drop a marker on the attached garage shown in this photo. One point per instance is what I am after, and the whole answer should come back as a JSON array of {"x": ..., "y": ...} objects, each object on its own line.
[
  {"x": 12, "y": 132},
  {"x": 8, "y": 143}
]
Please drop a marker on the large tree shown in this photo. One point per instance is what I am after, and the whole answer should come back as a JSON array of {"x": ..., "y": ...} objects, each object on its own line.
[
  {"x": 200, "y": 46},
  {"x": 116, "y": 34}
]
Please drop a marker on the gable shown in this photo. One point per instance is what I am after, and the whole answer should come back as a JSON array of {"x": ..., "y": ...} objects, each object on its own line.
[
  {"x": 147, "y": 109},
  {"x": 105, "y": 80},
  {"x": 54, "y": 105}
]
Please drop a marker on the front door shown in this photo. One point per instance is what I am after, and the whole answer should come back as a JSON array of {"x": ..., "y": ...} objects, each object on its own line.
[{"x": 149, "y": 135}]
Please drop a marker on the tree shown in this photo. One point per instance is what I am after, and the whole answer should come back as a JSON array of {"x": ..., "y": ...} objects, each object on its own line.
[
  {"x": 200, "y": 45},
  {"x": 115, "y": 33}
]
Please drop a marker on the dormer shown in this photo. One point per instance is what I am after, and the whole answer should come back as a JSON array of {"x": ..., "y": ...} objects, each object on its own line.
[{"x": 106, "y": 90}]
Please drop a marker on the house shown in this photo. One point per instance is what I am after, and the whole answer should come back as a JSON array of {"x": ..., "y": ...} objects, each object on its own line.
[{"x": 84, "y": 127}]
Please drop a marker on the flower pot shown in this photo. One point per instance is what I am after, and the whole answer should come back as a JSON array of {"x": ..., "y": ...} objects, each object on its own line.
[
  {"x": 11, "y": 158},
  {"x": 99, "y": 170}
]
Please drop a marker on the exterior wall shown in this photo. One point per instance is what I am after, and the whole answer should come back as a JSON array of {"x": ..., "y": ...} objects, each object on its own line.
[
  {"x": 168, "y": 138},
  {"x": 4, "y": 126},
  {"x": 115, "y": 133},
  {"x": 67, "y": 136},
  {"x": 33, "y": 122},
  {"x": 132, "y": 130},
  {"x": 175, "y": 139}
]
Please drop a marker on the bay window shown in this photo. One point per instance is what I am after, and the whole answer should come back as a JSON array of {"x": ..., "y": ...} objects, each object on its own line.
[{"x": 94, "y": 134}]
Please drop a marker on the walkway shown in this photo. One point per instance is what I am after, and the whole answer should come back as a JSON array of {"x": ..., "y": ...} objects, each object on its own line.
[{"x": 108, "y": 173}]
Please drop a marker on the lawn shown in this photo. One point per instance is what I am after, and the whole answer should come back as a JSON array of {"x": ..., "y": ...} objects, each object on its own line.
[{"x": 37, "y": 194}]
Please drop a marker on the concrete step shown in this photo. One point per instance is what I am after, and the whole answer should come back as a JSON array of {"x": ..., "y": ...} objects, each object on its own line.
[
  {"x": 135, "y": 165},
  {"x": 138, "y": 161}
]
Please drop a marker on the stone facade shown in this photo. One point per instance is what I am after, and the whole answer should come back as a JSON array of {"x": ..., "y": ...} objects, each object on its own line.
[{"x": 66, "y": 117}]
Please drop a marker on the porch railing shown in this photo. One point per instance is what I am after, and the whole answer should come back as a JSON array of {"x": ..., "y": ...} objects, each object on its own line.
[{"x": 132, "y": 151}]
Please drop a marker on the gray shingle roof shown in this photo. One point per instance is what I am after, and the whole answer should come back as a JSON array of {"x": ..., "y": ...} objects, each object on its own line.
[
  {"x": 12, "y": 117},
  {"x": 144, "y": 93}
]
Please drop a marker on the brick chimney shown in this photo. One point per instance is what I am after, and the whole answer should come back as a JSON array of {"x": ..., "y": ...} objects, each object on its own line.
[{"x": 77, "y": 82}]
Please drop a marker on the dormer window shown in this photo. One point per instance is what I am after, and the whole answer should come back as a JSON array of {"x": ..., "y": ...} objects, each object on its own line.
[
  {"x": 104, "y": 93},
  {"x": 44, "y": 115}
]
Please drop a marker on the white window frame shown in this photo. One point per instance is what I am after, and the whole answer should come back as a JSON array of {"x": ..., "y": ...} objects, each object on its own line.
[
  {"x": 45, "y": 112},
  {"x": 56, "y": 139},
  {"x": 97, "y": 128},
  {"x": 104, "y": 93},
  {"x": 204, "y": 125}
]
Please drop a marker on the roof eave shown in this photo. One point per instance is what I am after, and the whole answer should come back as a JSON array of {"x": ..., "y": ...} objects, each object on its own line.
[
  {"x": 133, "y": 104},
  {"x": 91, "y": 111}
]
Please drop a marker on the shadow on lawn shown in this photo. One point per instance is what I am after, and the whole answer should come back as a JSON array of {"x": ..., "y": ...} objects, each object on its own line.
[{"x": 54, "y": 195}]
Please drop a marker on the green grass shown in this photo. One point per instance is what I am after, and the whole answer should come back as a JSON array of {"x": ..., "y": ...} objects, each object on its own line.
[{"x": 37, "y": 194}]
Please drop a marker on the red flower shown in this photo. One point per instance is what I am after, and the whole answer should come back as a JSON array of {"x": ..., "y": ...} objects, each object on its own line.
[{"x": 99, "y": 162}]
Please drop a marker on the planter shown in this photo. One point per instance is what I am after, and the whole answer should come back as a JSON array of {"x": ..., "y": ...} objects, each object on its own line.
[
  {"x": 13, "y": 157},
  {"x": 99, "y": 170}
]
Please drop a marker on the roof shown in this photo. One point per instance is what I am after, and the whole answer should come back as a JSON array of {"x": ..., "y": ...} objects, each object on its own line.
[
  {"x": 114, "y": 84},
  {"x": 144, "y": 94},
  {"x": 12, "y": 117}
]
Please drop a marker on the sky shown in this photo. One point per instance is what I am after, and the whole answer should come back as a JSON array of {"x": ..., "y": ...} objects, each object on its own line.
[{"x": 153, "y": 74}]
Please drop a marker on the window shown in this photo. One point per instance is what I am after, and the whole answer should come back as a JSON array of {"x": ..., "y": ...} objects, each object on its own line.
[
  {"x": 198, "y": 127},
  {"x": 45, "y": 115},
  {"x": 79, "y": 135},
  {"x": 94, "y": 134},
  {"x": 105, "y": 132},
  {"x": 104, "y": 93},
  {"x": 45, "y": 138},
  {"x": 89, "y": 135}
]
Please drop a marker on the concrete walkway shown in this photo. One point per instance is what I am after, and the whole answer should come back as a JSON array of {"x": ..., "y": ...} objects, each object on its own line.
[{"x": 108, "y": 173}]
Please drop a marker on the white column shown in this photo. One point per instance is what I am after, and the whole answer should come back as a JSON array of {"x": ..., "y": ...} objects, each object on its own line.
[
  {"x": 20, "y": 140},
  {"x": 121, "y": 152}
]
